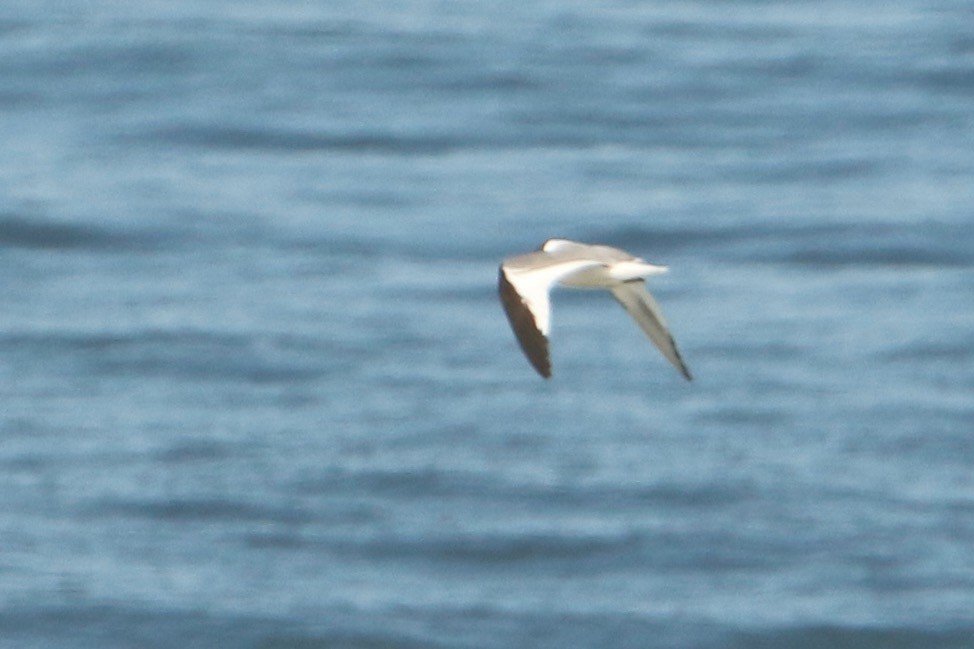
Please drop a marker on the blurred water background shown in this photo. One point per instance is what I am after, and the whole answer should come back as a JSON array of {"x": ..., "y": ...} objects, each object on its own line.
[{"x": 256, "y": 388}]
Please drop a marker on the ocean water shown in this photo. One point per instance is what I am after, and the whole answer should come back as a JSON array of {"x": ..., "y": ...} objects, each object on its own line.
[{"x": 257, "y": 389}]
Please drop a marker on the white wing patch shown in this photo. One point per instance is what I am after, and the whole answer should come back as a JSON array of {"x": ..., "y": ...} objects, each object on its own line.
[{"x": 534, "y": 287}]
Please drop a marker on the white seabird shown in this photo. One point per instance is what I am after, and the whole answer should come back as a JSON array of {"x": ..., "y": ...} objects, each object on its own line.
[{"x": 525, "y": 283}]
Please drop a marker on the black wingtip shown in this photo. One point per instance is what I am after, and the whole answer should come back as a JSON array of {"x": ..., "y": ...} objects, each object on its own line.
[
  {"x": 533, "y": 343},
  {"x": 684, "y": 370}
]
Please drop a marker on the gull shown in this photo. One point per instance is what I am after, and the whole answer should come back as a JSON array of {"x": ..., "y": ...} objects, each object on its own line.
[{"x": 525, "y": 283}]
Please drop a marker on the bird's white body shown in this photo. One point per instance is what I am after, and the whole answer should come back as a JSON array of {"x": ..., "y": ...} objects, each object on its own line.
[{"x": 525, "y": 283}]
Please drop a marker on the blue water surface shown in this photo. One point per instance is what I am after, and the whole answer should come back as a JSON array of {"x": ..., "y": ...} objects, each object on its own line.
[{"x": 257, "y": 390}]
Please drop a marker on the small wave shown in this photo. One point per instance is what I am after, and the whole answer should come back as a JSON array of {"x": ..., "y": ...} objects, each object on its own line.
[
  {"x": 276, "y": 541},
  {"x": 733, "y": 350},
  {"x": 439, "y": 483},
  {"x": 346, "y": 640},
  {"x": 958, "y": 351},
  {"x": 951, "y": 79},
  {"x": 267, "y": 139},
  {"x": 840, "y": 244},
  {"x": 200, "y": 451},
  {"x": 113, "y": 626},
  {"x": 214, "y": 510},
  {"x": 888, "y": 255},
  {"x": 198, "y": 355},
  {"x": 19, "y": 99},
  {"x": 493, "y": 549},
  {"x": 874, "y": 245},
  {"x": 839, "y": 637},
  {"x": 739, "y": 416},
  {"x": 41, "y": 234}
]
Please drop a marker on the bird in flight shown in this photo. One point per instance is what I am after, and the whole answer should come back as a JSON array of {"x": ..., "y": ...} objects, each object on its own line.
[{"x": 525, "y": 283}]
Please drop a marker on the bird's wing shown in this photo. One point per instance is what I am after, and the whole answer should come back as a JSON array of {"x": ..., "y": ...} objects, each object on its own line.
[
  {"x": 524, "y": 283},
  {"x": 636, "y": 299}
]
